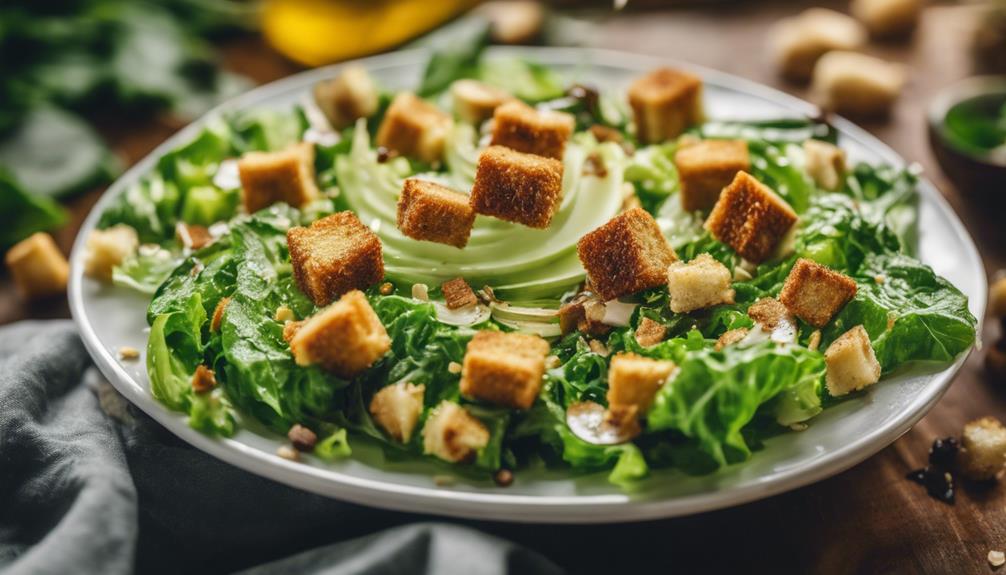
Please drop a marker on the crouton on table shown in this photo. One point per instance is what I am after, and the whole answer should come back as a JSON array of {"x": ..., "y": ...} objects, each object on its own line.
[
  {"x": 798, "y": 42},
  {"x": 432, "y": 212},
  {"x": 517, "y": 187},
  {"x": 703, "y": 282},
  {"x": 851, "y": 363},
  {"x": 37, "y": 267},
  {"x": 626, "y": 255},
  {"x": 347, "y": 97},
  {"x": 334, "y": 255},
  {"x": 284, "y": 176},
  {"x": 750, "y": 218},
  {"x": 887, "y": 18},
  {"x": 413, "y": 127},
  {"x": 634, "y": 379},
  {"x": 108, "y": 248},
  {"x": 855, "y": 84},
  {"x": 665, "y": 103},
  {"x": 452, "y": 434},
  {"x": 345, "y": 338},
  {"x": 396, "y": 409},
  {"x": 815, "y": 293},
  {"x": 983, "y": 449},
  {"x": 458, "y": 294},
  {"x": 825, "y": 163},
  {"x": 520, "y": 127},
  {"x": 705, "y": 168},
  {"x": 504, "y": 368},
  {"x": 474, "y": 101}
]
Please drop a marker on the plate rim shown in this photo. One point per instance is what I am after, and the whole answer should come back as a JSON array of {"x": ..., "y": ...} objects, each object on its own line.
[{"x": 607, "y": 508}]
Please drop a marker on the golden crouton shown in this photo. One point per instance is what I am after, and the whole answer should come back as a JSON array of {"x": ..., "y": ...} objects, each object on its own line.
[
  {"x": 520, "y": 127},
  {"x": 347, "y": 97},
  {"x": 851, "y": 363},
  {"x": 431, "y": 212},
  {"x": 517, "y": 187},
  {"x": 413, "y": 127},
  {"x": 887, "y": 18},
  {"x": 730, "y": 337},
  {"x": 703, "y": 282},
  {"x": 458, "y": 294},
  {"x": 396, "y": 409},
  {"x": 825, "y": 163},
  {"x": 750, "y": 218},
  {"x": 706, "y": 168},
  {"x": 452, "y": 434},
  {"x": 650, "y": 333},
  {"x": 856, "y": 85},
  {"x": 504, "y": 368},
  {"x": 284, "y": 176},
  {"x": 815, "y": 293},
  {"x": 983, "y": 449},
  {"x": 193, "y": 237},
  {"x": 37, "y": 267},
  {"x": 204, "y": 379},
  {"x": 626, "y": 255},
  {"x": 475, "y": 102},
  {"x": 584, "y": 313},
  {"x": 345, "y": 338},
  {"x": 108, "y": 248},
  {"x": 665, "y": 103},
  {"x": 798, "y": 42},
  {"x": 769, "y": 313},
  {"x": 333, "y": 256},
  {"x": 634, "y": 379}
]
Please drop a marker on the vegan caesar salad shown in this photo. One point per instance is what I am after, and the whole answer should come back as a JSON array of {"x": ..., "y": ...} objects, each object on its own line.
[{"x": 500, "y": 269}]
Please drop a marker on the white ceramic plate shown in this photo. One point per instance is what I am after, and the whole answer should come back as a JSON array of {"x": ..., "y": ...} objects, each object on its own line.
[{"x": 839, "y": 438}]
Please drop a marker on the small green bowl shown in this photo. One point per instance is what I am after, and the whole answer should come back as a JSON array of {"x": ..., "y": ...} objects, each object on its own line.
[{"x": 975, "y": 169}]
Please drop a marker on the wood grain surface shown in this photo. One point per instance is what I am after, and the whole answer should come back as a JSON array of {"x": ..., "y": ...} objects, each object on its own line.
[{"x": 869, "y": 519}]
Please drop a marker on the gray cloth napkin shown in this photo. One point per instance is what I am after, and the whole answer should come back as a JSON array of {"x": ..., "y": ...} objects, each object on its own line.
[{"x": 90, "y": 485}]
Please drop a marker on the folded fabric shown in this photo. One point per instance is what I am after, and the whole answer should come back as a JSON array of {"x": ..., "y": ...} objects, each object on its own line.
[{"x": 90, "y": 485}]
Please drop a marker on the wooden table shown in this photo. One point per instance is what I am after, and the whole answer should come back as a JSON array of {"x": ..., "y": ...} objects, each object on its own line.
[{"x": 868, "y": 519}]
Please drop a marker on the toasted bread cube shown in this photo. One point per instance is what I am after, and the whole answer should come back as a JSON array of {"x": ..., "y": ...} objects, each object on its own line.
[
  {"x": 475, "y": 102},
  {"x": 108, "y": 248},
  {"x": 665, "y": 103},
  {"x": 626, "y": 255},
  {"x": 649, "y": 333},
  {"x": 983, "y": 452},
  {"x": 458, "y": 294},
  {"x": 396, "y": 409},
  {"x": 814, "y": 293},
  {"x": 825, "y": 163},
  {"x": 413, "y": 127},
  {"x": 706, "y": 168},
  {"x": 452, "y": 434},
  {"x": 887, "y": 18},
  {"x": 584, "y": 313},
  {"x": 851, "y": 363},
  {"x": 504, "y": 368},
  {"x": 731, "y": 337},
  {"x": 520, "y": 127},
  {"x": 703, "y": 282},
  {"x": 770, "y": 313},
  {"x": 634, "y": 379},
  {"x": 431, "y": 212},
  {"x": 348, "y": 97},
  {"x": 334, "y": 255},
  {"x": 345, "y": 338},
  {"x": 798, "y": 42},
  {"x": 516, "y": 187},
  {"x": 284, "y": 176},
  {"x": 750, "y": 218},
  {"x": 37, "y": 267},
  {"x": 856, "y": 84}
]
